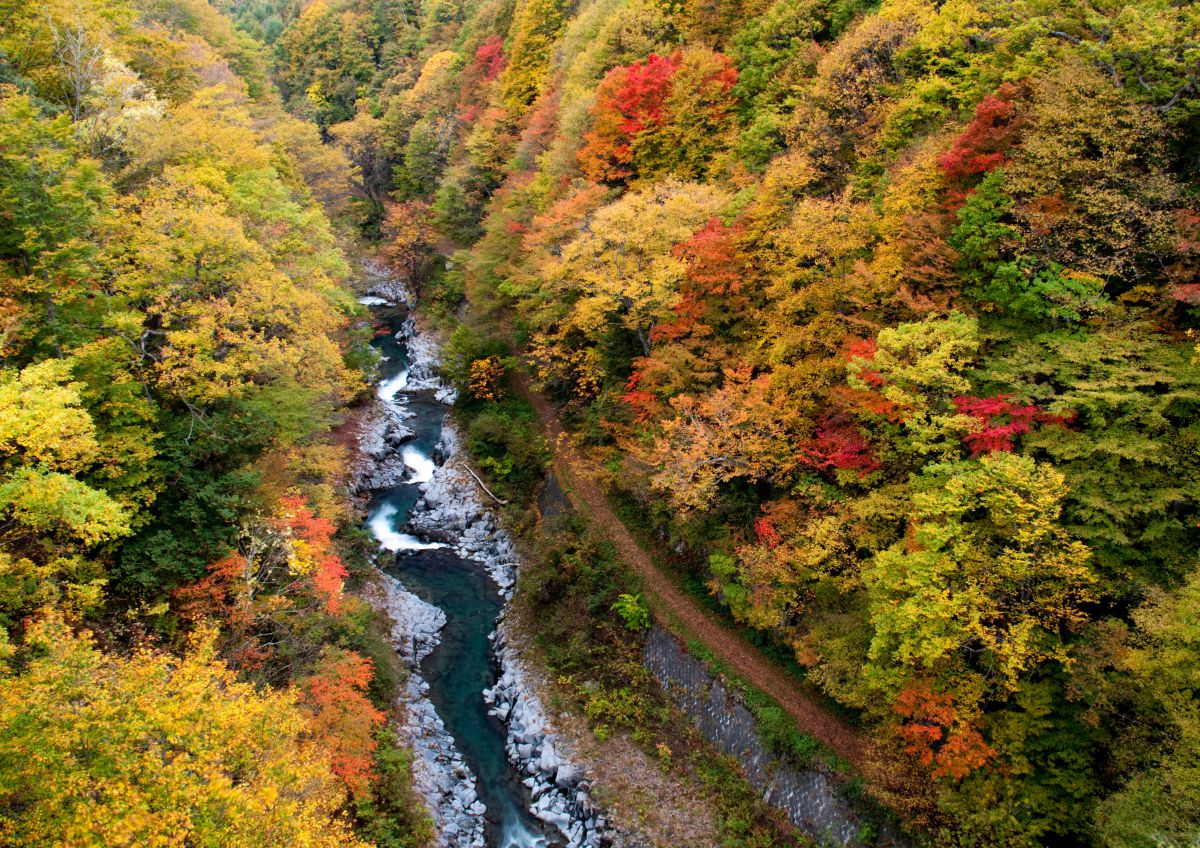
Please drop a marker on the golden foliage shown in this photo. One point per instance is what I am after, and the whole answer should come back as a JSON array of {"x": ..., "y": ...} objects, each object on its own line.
[{"x": 155, "y": 750}]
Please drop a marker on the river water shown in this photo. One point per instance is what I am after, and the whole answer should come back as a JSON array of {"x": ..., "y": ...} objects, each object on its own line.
[{"x": 462, "y": 665}]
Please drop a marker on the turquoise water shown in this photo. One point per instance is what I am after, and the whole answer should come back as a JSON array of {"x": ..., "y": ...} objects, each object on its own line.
[{"x": 462, "y": 665}]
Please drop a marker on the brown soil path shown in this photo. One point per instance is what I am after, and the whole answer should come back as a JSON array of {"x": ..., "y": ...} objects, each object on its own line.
[{"x": 726, "y": 644}]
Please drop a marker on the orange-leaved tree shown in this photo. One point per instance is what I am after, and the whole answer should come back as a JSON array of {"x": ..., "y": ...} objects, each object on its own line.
[{"x": 343, "y": 718}]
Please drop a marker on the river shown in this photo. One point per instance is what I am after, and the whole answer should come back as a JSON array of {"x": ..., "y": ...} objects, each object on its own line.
[{"x": 462, "y": 666}]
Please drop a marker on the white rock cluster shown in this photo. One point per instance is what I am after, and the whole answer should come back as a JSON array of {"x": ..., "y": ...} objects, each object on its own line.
[
  {"x": 384, "y": 285},
  {"x": 416, "y": 625},
  {"x": 440, "y": 776},
  {"x": 425, "y": 363},
  {"x": 558, "y": 785}
]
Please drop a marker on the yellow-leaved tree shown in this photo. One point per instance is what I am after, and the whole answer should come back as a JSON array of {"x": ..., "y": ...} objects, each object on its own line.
[
  {"x": 986, "y": 581},
  {"x": 99, "y": 751},
  {"x": 623, "y": 265},
  {"x": 740, "y": 431},
  {"x": 46, "y": 438}
]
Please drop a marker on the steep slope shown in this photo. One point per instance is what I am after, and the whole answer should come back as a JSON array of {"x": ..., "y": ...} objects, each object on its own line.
[
  {"x": 678, "y": 607},
  {"x": 177, "y": 337},
  {"x": 879, "y": 314}
]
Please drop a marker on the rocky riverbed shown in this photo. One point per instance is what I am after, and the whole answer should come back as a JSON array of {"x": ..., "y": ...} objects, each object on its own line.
[
  {"x": 450, "y": 519},
  {"x": 440, "y": 775},
  {"x": 451, "y": 510}
]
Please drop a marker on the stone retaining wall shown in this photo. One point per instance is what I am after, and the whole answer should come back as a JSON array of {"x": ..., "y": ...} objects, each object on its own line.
[{"x": 808, "y": 797}]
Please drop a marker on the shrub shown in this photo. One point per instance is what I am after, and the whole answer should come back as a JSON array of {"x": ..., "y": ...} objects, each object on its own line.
[{"x": 633, "y": 611}]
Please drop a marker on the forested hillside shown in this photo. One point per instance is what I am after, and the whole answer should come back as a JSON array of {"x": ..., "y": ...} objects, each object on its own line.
[
  {"x": 180, "y": 664},
  {"x": 883, "y": 313},
  {"x": 879, "y": 316}
]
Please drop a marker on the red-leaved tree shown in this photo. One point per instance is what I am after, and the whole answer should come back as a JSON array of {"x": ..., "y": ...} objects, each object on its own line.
[
  {"x": 984, "y": 144},
  {"x": 838, "y": 444},
  {"x": 1001, "y": 420},
  {"x": 629, "y": 100},
  {"x": 343, "y": 716}
]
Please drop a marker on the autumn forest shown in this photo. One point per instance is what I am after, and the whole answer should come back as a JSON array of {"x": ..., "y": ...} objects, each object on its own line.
[{"x": 867, "y": 332}]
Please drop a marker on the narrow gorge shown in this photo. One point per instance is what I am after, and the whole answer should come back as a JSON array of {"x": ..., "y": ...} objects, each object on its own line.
[
  {"x": 599, "y": 424},
  {"x": 486, "y": 763}
]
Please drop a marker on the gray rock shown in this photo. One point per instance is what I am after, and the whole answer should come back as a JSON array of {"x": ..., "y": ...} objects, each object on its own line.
[{"x": 568, "y": 775}]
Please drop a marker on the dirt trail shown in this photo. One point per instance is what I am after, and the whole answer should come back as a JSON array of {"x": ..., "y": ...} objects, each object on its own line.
[{"x": 727, "y": 645}]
